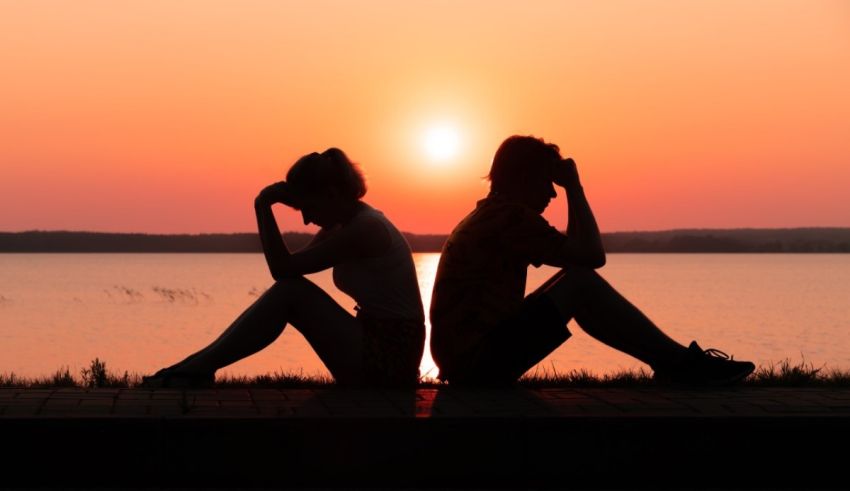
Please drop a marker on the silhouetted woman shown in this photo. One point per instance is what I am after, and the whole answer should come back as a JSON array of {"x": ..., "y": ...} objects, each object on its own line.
[{"x": 382, "y": 345}]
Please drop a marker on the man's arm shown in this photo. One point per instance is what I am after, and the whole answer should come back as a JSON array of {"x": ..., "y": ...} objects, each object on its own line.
[{"x": 585, "y": 241}]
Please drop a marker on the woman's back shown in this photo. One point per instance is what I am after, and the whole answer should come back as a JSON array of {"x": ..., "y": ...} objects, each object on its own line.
[{"x": 383, "y": 286}]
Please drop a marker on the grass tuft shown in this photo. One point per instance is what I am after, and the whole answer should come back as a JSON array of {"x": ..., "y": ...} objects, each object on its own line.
[
  {"x": 62, "y": 378},
  {"x": 803, "y": 374},
  {"x": 97, "y": 376}
]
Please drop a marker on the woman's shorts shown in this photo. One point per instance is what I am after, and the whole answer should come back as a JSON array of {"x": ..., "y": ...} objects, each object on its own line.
[{"x": 392, "y": 351}]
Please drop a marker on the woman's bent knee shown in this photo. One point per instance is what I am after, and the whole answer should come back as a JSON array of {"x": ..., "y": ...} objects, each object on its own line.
[{"x": 288, "y": 289}]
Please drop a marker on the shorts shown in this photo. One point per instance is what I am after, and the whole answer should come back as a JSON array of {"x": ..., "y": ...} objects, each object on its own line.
[
  {"x": 392, "y": 351},
  {"x": 514, "y": 346}
]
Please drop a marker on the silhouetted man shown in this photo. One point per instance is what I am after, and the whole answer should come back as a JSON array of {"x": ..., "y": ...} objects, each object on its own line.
[{"x": 484, "y": 332}]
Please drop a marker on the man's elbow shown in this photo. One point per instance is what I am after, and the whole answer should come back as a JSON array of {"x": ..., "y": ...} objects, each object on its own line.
[
  {"x": 591, "y": 258},
  {"x": 600, "y": 262},
  {"x": 595, "y": 261}
]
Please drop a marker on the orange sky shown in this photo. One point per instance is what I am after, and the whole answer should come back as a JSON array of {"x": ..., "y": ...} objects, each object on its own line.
[{"x": 168, "y": 117}]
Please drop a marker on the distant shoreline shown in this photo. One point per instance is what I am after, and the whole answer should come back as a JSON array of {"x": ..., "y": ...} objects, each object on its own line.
[{"x": 786, "y": 240}]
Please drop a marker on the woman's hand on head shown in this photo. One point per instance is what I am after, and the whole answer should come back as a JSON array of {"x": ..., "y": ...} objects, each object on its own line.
[{"x": 278, "y": 192}]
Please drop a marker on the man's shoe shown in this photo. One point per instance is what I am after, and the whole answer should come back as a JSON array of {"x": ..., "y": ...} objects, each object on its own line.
[{"x": 709, "y": 367}]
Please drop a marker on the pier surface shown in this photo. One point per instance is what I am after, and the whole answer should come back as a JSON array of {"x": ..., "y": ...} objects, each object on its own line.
[{"x": 565, "y": 438}]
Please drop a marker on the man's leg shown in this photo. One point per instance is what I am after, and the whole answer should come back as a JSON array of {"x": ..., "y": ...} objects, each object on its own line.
[
  {"x": 515, "y": 345},
  {"x": 606, "y": 315}
]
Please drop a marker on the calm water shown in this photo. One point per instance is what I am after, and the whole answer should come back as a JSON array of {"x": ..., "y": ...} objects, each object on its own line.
[{"x": 139, "y": 312}]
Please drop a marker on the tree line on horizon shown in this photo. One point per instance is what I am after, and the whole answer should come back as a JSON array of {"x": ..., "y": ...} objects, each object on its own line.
[{"x": 794, "y": 240}]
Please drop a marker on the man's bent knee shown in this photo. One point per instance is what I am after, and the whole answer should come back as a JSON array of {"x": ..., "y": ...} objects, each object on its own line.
[{"x": 572, "y": 277}]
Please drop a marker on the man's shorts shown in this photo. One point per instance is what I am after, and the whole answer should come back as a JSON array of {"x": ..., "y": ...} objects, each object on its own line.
[{"x": 514, "y": 345}]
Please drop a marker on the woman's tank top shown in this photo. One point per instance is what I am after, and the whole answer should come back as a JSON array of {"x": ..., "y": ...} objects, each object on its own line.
[{"x": 384, "y": 286}]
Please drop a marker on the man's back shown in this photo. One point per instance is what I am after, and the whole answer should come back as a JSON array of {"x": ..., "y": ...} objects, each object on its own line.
[{"x": 482, "y": 273}]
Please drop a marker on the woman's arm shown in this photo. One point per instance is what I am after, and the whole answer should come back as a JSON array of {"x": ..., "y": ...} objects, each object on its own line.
[
  {"x": 274, "y": 248},
  {"x": 367, "y": 237},
  {"x": 585, "y": 242},
  {"x": 364, "y": 238}
]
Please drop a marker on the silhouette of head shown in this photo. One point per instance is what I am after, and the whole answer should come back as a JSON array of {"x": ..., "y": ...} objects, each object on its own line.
[
  {"x": 326, "y": 186},
  {"x": 522, "y": 171}
]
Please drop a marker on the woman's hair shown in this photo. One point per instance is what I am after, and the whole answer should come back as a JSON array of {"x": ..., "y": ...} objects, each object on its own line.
[
  {"x": 517, "y": 159},
  {"x": 332, "y": 168}
]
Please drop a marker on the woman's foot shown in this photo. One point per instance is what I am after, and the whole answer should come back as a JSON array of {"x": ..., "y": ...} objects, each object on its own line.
[{"x": 172, "y": 378}]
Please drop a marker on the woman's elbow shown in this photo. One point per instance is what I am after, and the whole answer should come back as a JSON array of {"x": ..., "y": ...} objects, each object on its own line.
[
  {"x": 281, "y": 268},
  {"x": 284, "y": 272},
  {"x": 278, "y": 272}
]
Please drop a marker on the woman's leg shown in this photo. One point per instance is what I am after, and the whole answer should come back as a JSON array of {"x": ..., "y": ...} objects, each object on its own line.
[
  {"x": 334, "y": 334},
  {"x": 606, "y": 315}
]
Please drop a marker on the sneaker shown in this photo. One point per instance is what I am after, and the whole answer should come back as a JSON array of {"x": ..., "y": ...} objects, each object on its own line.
[{"x": 706, "y": 367}]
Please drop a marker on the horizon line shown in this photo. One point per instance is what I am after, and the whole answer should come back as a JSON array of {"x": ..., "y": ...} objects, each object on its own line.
[{"x": 682, "y": 229}]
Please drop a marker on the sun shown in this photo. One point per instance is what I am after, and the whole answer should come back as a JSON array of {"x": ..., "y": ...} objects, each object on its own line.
[{"x": 441, "y": 142}]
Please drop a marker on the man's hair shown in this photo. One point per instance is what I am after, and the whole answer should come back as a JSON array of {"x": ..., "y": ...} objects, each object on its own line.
[
  {"x": 332, "y": 168},
  {"x": 517, "y": 159}
]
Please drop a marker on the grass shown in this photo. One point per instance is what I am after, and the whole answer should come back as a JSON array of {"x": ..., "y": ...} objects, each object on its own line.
[
  {"x": 585, "y": 378},
  {"x": 781, "y": 374}
]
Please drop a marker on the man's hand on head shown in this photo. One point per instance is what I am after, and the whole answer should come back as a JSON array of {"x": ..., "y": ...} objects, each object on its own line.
[{"x": 565, "y": 173}]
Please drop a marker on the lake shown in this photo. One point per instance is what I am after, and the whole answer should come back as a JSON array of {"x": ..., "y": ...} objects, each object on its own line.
[{"x": 139, "y": 312}]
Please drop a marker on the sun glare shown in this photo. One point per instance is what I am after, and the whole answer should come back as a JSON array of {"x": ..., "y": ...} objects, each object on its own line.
[{"x": 441, "y": 142}]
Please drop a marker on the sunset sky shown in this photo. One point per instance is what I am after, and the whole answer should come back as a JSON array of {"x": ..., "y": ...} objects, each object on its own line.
[{"x": 169, "y": 116}]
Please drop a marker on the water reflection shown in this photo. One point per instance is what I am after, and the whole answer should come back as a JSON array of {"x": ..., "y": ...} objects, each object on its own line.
[
  {"x": 142, "y": 311},
  {"x": 426, "y": 270}
]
